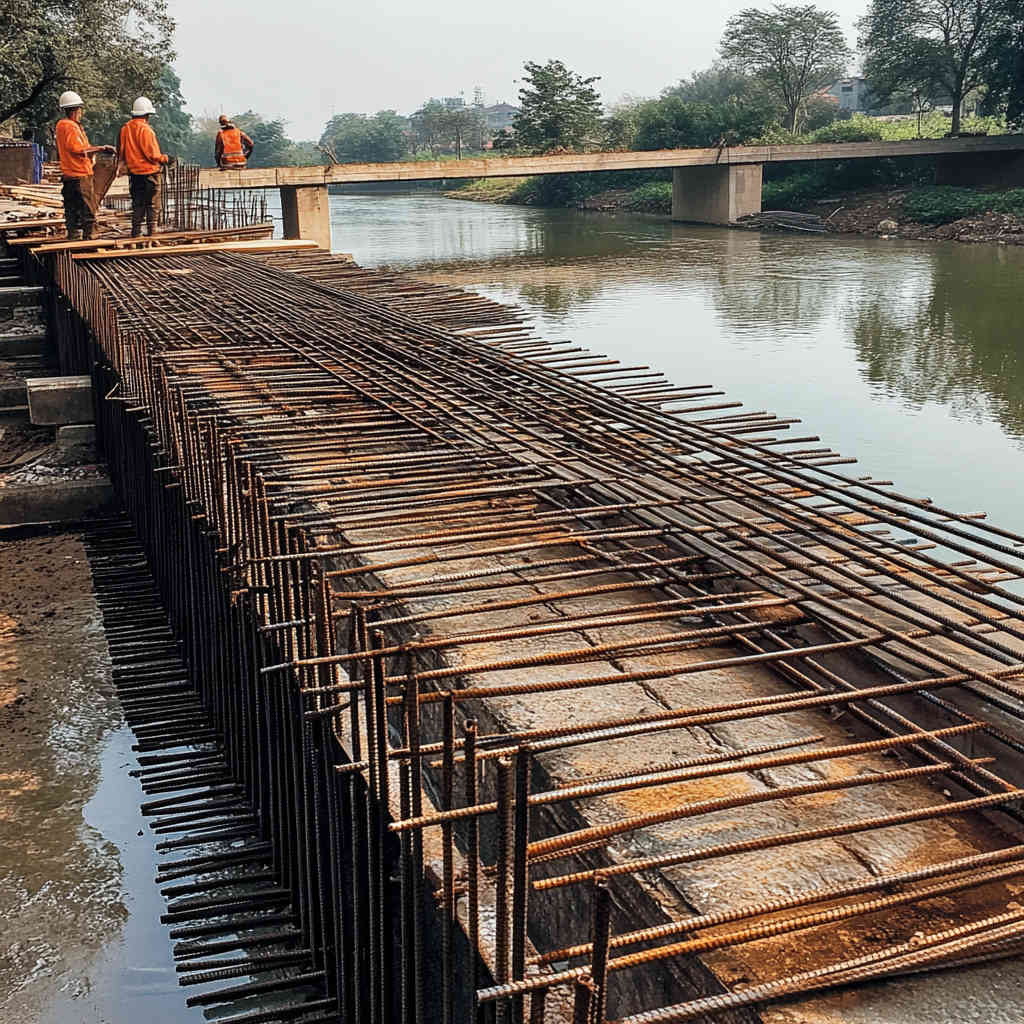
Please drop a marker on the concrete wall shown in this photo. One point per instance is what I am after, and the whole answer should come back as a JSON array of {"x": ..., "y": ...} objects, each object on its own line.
[
  {"x": 306, "y": 213},
  {"x": 716, "y": 195}
]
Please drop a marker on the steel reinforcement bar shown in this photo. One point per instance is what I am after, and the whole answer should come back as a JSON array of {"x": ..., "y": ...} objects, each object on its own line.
[{"x": 512, "y": 647}]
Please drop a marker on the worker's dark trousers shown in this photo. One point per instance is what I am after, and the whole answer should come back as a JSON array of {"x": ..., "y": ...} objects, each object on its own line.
[
  {"x": 145, "y": 193},
  {"x": 79, "y": 205}
]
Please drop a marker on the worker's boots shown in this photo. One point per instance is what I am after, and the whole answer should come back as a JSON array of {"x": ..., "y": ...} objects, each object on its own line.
[
  {"x": 151, "y": 225},
  {"x": 75, "y": 235},
  {"x": 86, "y": 234}
]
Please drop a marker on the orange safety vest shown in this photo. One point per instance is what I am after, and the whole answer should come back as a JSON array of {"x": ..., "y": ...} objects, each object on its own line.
[
  {"x": 139, "y": 149},
  {"x": 71, "y": 145},
  {"x": 231, "y": 140}
]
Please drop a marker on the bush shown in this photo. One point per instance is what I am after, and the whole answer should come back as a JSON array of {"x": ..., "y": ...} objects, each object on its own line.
[
  {"x": 654, "y": 197},
  {"x": 795, "y": 190},
  {"x": 943, "y": 204},
  {"x": 857, "y": 129}
]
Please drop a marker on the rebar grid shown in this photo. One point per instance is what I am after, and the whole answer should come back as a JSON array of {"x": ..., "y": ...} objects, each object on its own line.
[{"x": 582, "y": 568}]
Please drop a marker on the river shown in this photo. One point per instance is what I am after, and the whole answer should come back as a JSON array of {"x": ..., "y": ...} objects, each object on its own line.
[{"x": 907, "y": 355}]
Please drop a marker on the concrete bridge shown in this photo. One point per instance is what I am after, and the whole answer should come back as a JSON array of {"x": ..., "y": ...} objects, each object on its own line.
[{"x": 710, "y": 186}]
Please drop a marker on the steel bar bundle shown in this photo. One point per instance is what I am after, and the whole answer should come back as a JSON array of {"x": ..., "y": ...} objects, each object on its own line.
[{"x": 559, "y": 691}]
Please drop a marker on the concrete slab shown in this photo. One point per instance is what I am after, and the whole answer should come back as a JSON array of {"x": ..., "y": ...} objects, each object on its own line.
[{"x": 54, "y": 401}]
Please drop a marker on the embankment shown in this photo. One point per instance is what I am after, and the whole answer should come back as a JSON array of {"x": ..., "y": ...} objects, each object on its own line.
[{"x": 916, "y": 211}]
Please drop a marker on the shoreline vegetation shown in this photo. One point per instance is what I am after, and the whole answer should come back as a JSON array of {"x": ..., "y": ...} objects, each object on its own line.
[
  {"x": 923, "y": 212},
  {"x": 878, "y": 197}
]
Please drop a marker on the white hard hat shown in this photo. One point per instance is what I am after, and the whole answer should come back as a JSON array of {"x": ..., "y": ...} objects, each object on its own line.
[
  {"x": 143, "y": 105},
  {"x": 69, "y": 99}
]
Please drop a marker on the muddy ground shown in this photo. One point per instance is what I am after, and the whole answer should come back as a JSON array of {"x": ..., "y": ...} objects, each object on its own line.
[
  {"x": 865, "y": 213},
  {"x": 59, "y": 896},
  {"x": 80, "y": 939}
]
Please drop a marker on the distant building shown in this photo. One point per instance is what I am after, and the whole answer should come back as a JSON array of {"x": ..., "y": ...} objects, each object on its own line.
[
  {"x": 852, "y": 94},
  {"x": 500, "y": 116}
]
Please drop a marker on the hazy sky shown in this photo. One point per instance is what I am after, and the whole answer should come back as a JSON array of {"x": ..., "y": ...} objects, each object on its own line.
[{"x": 304, "y": 61}]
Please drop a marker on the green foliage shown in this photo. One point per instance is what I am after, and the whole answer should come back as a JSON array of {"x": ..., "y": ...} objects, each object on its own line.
[
  {"x": 438, "y": 128},
  {"x": 107, "y": 51},
  {"x": 271, "y": 144},
  {"x": 428, "y": 127},
  {"x": 654, "y": 197},
  {"x": 794, "y": 191},
  {"x": 1005, "y": 83},
  {"x": 672, "y": 123},
  {"x": 358, "y": 138},
  {"x": 928, "y": 47},
  {"x": 173, "y": 126},
  {"x": 795, "y": 50},
  {"x": 860, "y": 129},
  {"x": 559, "y": 109},
  {"x": 721, "y": 85},
  {"x": 944, "y": 204}
]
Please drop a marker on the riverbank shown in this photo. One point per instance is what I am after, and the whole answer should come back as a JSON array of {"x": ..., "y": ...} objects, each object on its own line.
[{"x": 926, "y": 213}]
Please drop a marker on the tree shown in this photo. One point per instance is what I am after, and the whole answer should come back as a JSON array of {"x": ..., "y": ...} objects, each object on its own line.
[
  {"x": 720, "y": 85},
  {"x": 465, "y": 126},
  {"x": 271, "y": 146},
  {"x": 794, "y": 50},
  {"x": 559, "y": 109},
  {"x": 429, "y": 128},
  {"x": 671, "y": 123},
  {"x": 103, "y": 49},
  {"x": 173, "y": 125},
  {"x": 925, "y": 46},
  {"x": 1006, "y": 82},
  {"x": 357, "y": 138}
]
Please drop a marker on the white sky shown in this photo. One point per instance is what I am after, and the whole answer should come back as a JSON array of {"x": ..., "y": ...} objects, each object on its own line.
[{"x": 304, "y": 61}]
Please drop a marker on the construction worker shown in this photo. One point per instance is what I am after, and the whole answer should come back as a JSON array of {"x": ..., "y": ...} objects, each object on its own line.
[
  {"x": 139, "y": 151},
  {"x": 233, "y": 147},
  {"x": 75, "y": 155}
]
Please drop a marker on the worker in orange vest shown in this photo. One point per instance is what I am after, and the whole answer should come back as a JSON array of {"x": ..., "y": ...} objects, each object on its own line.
[
  {"x": 139, "y": 151},
  {"x": 75, "y": 155},
  {"x": 233, "y": 146}
]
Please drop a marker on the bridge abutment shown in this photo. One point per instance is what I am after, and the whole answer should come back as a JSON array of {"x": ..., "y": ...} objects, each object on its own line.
[
  {"x": 716, "y": 193},
  {"x": 306, "y": 213}
]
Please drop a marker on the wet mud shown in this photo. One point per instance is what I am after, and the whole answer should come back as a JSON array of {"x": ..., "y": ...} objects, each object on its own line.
[{"x": 81, "y": 939}]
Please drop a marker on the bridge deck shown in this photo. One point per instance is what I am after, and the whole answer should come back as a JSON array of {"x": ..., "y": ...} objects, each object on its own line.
[
  {"x": 660, "y": 611},
  {"x": 504, "y": 167}
]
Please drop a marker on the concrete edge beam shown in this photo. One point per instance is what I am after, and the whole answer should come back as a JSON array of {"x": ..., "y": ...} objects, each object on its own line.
[
  {"x": 12, "y": 396},
  {"x": 63, "y": 501},
  {"x": 55, "y": 401},
  {"x": 23, "y": 345},
  {"x": 76, "y": 435},
  {"x": 21, "y": 295}
]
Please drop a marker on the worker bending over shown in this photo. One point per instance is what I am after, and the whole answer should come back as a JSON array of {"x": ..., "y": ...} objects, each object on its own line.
[
  {"x": 233, "y": 146},
  {"x": 139, "y": 151},
  {"x": 75, "y": 155}
]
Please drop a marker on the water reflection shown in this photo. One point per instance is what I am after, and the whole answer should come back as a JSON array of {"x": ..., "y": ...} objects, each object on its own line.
[{"x": 958, "y": 344}]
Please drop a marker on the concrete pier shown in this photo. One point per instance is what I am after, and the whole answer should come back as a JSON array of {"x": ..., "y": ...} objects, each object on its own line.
[
  {"x": 716, "y": 195},
  {"x": 307, "y": 214}
]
